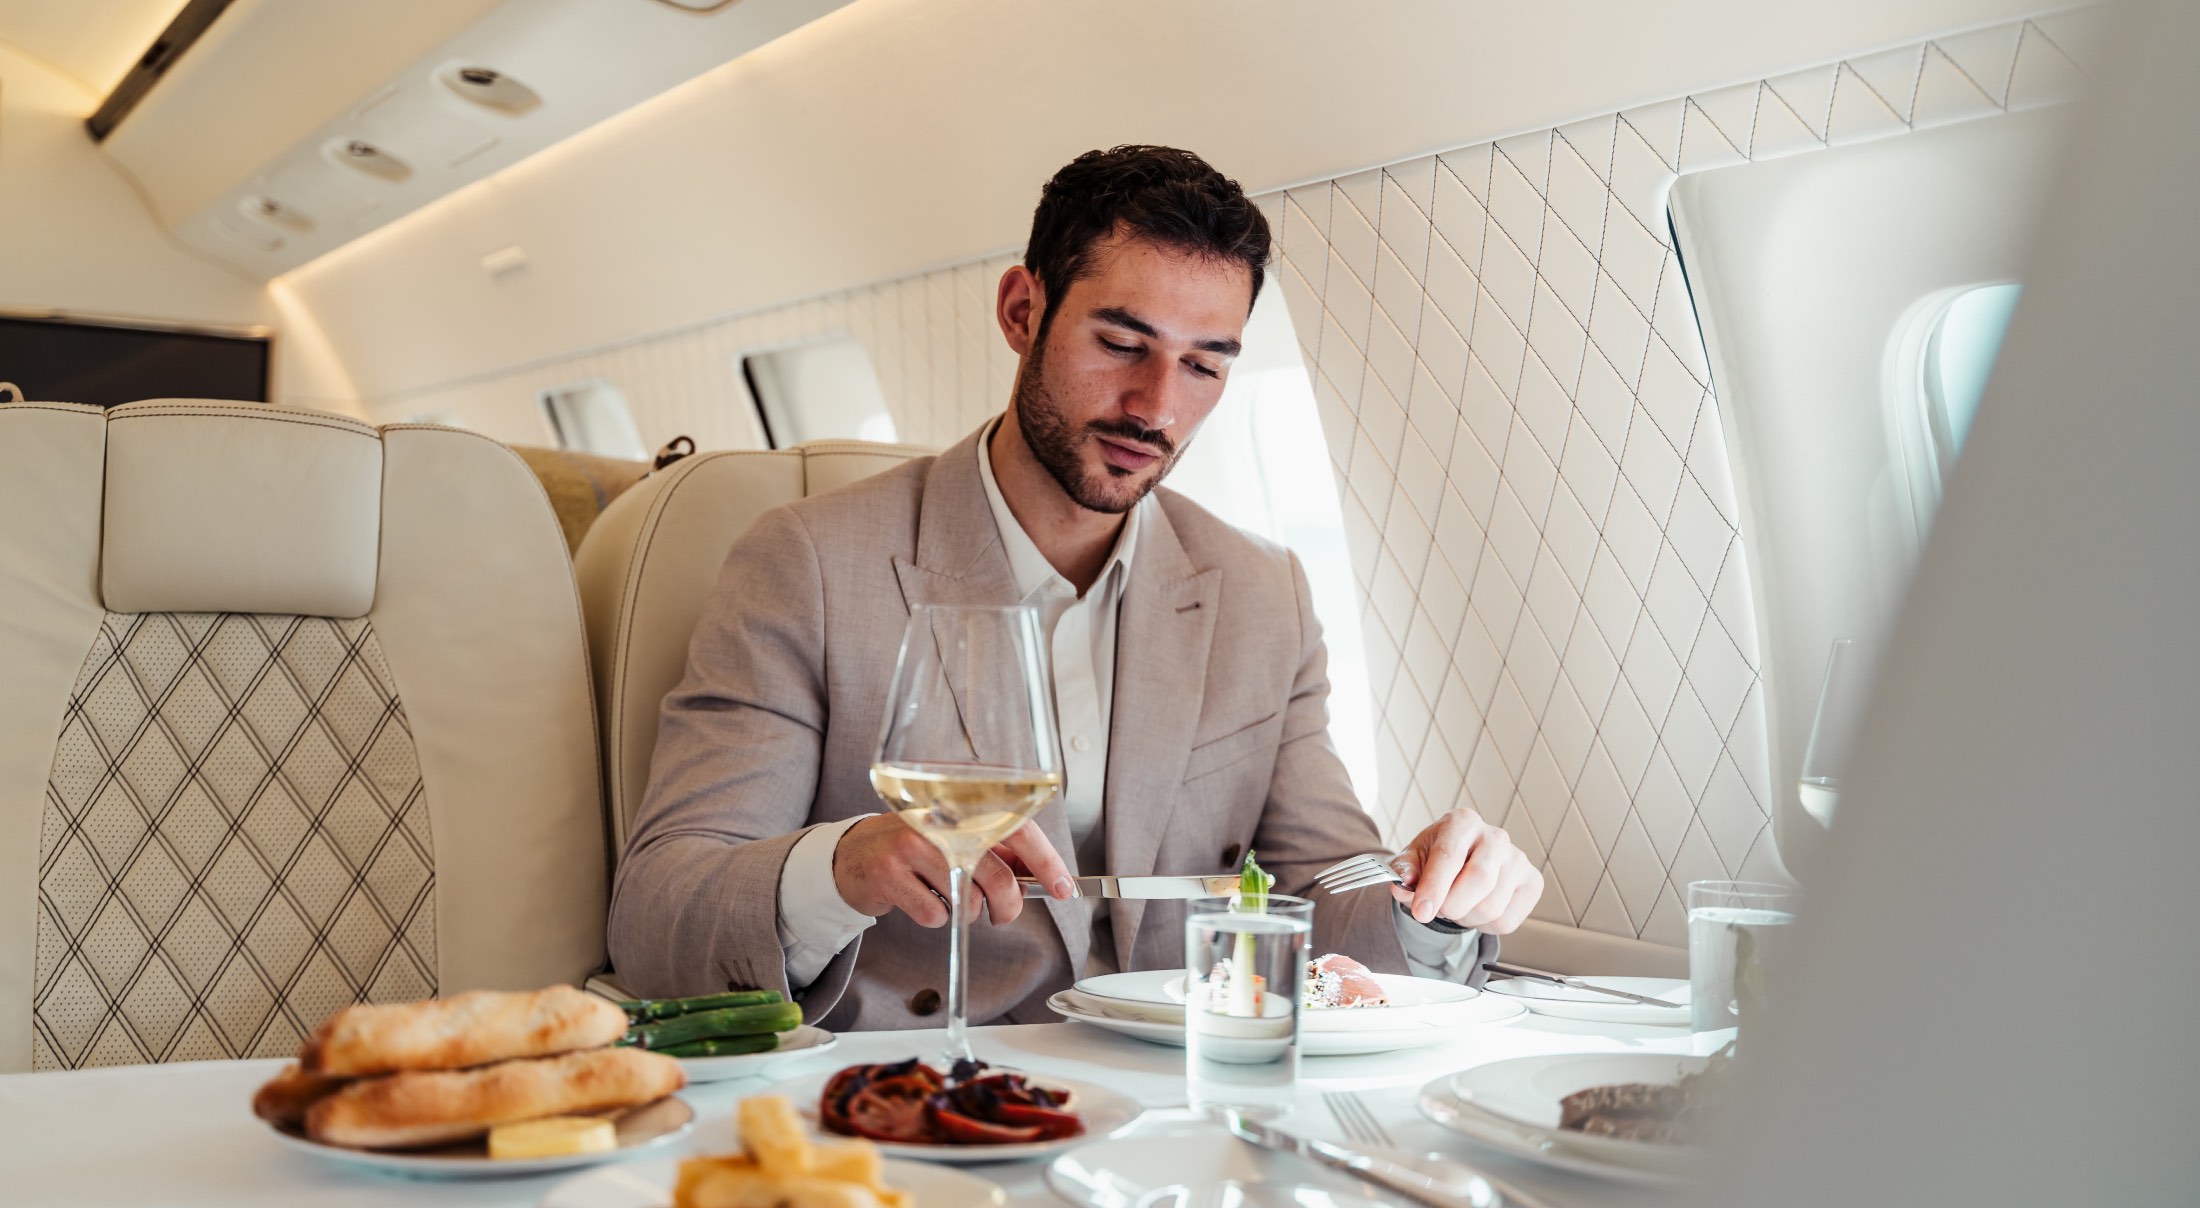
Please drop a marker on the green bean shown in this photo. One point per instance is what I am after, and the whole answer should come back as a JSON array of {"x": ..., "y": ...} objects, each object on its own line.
[
  {"x": 724, "y": 1046},
  {"x": 649, "y": 1010},
  {"x": 705, "y": 1025}
]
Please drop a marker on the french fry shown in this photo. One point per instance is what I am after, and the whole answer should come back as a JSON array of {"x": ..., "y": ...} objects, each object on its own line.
[
  {"x": 773, "y": 1135},
  {"x": 782, "y": 1168},
  {"x": 849, "y": 1162}
]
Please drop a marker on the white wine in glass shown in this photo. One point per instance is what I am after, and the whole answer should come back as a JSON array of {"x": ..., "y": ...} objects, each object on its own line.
[{"x": 968, "y": 751}]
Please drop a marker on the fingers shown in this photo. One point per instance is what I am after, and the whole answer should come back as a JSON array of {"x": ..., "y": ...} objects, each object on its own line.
[
  {"x": 1030, "y": 845},
  {"x": 1475, "y": 904},
  {"x": 997, "y": 887},
  {"x": 913, "y": 896},
  {"x": 1450, "y": 843},
  {"x": 1523, "y": 901}
]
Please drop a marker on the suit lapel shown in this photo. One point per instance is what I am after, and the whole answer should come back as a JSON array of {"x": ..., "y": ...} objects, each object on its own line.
[
  {"x": 1162, "y": 636},
  {"x": 960, "y": 560}
]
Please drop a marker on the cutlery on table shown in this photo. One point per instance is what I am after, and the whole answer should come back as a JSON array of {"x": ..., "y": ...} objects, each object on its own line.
[
  {"x": 1504, "y": 970},
  {"x": 1437, "y": 1181},
  {"x": 1139, "y": 887}
]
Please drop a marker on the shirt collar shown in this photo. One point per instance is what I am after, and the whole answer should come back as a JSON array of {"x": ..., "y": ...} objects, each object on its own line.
[{"x": 1031, "y": 569}]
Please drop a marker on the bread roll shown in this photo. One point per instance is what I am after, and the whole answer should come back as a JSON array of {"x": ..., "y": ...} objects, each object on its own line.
[
  {"x": 474, "y": 1028},
  {"x": 419, "y": 1108},
  {"x": 284, "y": 1100}
]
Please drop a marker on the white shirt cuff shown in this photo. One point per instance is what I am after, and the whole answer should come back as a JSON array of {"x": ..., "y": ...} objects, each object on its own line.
[
  {"x": 814, "y": 923},
  {"x": 1429, "y": 952}
]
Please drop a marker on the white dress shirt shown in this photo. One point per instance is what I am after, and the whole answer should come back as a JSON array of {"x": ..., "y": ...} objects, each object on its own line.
[{"x": 815, "y": 923}]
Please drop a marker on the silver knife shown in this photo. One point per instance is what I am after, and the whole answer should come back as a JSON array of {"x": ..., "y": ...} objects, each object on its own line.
[
  {"x": 1139, "y": 887},
  {"x": 1443, "y": 1183},
  {"x": 1504, "y": 970}
]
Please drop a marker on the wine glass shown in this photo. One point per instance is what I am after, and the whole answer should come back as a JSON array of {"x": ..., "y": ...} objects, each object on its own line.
[{"x": 968, "y": 751}]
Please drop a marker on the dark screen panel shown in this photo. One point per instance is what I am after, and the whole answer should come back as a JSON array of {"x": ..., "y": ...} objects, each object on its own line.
[{"x": 67, "y": 362}]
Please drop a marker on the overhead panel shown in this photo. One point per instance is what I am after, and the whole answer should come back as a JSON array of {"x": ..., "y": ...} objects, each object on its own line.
[{"x": 293, "y": 129}]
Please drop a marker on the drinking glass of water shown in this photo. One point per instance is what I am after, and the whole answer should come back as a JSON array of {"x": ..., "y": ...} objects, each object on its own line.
[
  {"x": 1735, "y": 929},
  {"x": 1244, "y": 984}
]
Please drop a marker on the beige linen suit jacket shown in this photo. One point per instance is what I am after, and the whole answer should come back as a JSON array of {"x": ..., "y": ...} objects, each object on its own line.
[{"x": 1218, "y": 742}]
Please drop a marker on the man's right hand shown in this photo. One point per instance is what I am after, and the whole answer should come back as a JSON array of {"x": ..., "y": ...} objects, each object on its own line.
[{"x": 883, "y": 864}]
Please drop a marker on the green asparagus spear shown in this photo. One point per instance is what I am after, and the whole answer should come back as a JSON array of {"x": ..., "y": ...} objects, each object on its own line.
[
  {"x": 649, "y": 1010},
  {"x": 724, "y": 1046},
  {"x": 705, "y": 1025},
  {"x": 1254, "y": 883}
]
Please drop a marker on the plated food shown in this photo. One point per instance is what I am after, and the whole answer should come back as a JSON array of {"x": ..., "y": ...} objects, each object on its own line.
[
  {"x": 912, "y": 1103},
  {"x": 404, "y": 1076},
  {"x": 1669, "y": 1113},
  {"x": 1334, "y": 980},
  {"x": 712, "y": 1025},
  {"x": 780, "y": 1167}
]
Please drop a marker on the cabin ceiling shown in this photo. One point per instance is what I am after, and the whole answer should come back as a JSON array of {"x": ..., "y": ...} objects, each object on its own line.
[
  {"x": 247, "y": 148},
  {"x": 96, "y": 54}
]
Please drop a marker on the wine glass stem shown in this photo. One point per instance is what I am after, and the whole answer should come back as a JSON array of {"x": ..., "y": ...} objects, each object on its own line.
[{"x": 958, "y": 967}]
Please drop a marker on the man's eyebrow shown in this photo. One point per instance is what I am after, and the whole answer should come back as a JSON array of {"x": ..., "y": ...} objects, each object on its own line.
[{"x": 1118, "y": 317}]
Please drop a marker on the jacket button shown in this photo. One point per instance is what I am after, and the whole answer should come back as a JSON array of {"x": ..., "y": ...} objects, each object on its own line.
[
  {"x": 924, "y": 1002},
  {"x": 1230, "y": 856}
]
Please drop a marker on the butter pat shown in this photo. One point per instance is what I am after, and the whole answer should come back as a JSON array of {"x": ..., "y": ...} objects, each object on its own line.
[{"x": 552, "y": 1137}]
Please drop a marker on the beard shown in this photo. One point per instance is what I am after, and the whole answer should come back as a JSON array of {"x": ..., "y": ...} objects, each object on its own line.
[{"x": 1059, "y": 444}]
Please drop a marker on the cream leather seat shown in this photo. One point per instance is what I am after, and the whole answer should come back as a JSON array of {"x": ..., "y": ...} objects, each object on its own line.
[
  {"x": 648, "y": 564},
  {"x": 293, "y": 713}
]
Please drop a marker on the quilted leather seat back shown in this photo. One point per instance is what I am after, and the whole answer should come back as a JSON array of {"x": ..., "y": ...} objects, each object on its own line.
[
  {"x": 299, "y": 717},
  {"x": 648, "y": 563}
]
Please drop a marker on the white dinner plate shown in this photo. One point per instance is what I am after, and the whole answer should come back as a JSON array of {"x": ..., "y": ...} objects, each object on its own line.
[
  {"x": 1411, "y": 1001},
  {"x": 804, "y": 1041},
  {"x": 1105, "y": 1113},
  {"x": 1568, "y": 1002},
  {"x": 640, "y": 1130},
  {"x": 1209, "y": 1170},
  {"x": 1158, "y": 995},
  {"x": 1115, "y": 1016},
  {"x": 1513, "y": 1105},
  {"x": 649, "y": 1185}
]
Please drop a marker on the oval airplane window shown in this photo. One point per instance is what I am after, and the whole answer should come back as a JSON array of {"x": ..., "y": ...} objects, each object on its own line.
[
  {"x": 592, "y": 417},
  {"x": 825, "y": 390},
  {"x": 1959, "y": 356}
]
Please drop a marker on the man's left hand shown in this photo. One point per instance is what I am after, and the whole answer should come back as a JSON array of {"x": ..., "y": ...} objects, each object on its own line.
[{"x": 1465, "y": 870}]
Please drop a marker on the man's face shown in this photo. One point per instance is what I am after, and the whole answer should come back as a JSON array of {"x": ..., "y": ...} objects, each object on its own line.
[{"x": 1134, "y": 360}]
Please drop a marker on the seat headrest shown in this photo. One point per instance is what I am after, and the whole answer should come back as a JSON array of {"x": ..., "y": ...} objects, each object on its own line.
[{"x": 240, "y": 507}]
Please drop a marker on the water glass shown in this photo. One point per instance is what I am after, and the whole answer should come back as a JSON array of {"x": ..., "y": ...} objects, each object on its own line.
[
  {"x": 1735, "y": 931},
  {"x": 1244, "y": 985}
]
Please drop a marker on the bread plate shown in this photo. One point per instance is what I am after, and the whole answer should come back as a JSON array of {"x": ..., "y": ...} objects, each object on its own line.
[
  {"x": 805, "y": 1041},
  {"x": 1105, "y": 1112},
  {"x": 649, "y": 1185},
  {"x": 640, "y": 1130}
]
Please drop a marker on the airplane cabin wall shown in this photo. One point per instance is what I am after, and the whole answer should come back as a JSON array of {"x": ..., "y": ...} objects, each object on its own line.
[
  {"x": 76, "y": 237},
  {"x": 1558, "y": 609}
]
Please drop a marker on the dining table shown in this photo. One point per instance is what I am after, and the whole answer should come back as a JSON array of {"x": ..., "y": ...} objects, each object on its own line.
[{"x": 182, "y": 1135}]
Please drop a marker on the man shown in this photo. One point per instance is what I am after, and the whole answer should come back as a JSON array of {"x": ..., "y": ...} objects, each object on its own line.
[{"x": 1188, "y": 671}]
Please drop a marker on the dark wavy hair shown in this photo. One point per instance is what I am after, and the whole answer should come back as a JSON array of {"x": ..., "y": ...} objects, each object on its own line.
[{"x": 1163, "y": 194}]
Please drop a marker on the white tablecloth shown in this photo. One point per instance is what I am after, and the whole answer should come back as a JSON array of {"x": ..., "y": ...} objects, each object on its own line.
[{"x": 184, "y": 1134}]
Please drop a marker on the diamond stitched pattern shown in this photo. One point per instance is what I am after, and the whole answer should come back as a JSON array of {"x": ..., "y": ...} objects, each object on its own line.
[{"x": 234, "y": 842}]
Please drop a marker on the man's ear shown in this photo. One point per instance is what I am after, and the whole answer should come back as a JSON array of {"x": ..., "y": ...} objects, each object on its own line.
[{"x": 1018, "y": 305}]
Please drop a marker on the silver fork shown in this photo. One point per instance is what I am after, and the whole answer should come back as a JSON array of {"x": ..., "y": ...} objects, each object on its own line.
[
  {"x": 1359, "y": 872},
  {"x": 1352, "y": 1115}
]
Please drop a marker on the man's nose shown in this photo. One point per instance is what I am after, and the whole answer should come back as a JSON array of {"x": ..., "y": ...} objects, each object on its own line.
[{"x": 1153, "y": 400}]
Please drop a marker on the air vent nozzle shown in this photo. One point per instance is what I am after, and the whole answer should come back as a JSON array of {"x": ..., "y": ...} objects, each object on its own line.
[
  {"x": 359, "y": 155},
  {"x": 489, "y": 88}
]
